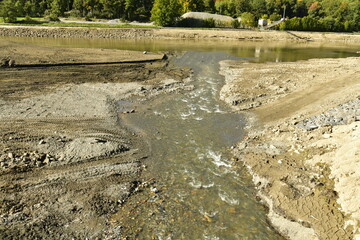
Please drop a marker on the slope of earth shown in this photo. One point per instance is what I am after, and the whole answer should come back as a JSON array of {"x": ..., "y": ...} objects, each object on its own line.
[{"x": 302, "y": 147}]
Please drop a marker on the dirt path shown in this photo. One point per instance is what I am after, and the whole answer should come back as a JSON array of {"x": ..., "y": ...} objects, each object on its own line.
[{"x": 303, "y": 142}]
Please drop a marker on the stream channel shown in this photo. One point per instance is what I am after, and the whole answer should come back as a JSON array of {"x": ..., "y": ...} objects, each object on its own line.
[
  {"x": 199, "y": 192},
  {"x": 207, "y": 197},
  {"x": 202, "y": 193}
]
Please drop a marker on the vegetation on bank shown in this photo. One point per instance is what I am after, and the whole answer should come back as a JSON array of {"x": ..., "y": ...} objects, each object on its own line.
[{"x": 303, "y": 15}]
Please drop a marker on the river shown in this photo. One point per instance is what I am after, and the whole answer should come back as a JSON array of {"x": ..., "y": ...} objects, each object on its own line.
[{"x": 200, "y": 193}]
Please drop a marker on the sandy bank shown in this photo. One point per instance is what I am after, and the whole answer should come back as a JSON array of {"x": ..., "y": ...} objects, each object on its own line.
[
  {"x": 302, "y": 148},
  {"x": 174, "y": 33}
]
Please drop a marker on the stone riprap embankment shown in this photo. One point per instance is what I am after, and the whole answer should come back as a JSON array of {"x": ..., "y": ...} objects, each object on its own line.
[
  {"x": 56, "y": 32},
  {"x": 173, "y": 33}
]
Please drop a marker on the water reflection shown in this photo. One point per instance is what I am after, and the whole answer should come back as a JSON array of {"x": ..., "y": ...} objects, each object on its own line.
[{"x": 260, "y": 51}]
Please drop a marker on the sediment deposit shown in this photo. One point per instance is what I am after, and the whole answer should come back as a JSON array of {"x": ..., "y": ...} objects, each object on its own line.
[{"x": 303, "y": 142}]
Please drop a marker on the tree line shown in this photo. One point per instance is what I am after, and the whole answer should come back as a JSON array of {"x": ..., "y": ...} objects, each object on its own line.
[{"x": 321, "y": 15}]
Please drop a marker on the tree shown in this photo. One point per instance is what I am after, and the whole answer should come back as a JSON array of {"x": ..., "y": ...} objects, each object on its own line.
[
  {"x": 8, "y": 10},
  {"x": 209, "y": 6},
  {"x": 113, "y": 8},
  {"x": 192, "y": 5},
  {"x": 166, "y": 12},
  {"x": 138, "y": 9},
  {"x": 242, "y": 6},
  {"x": 258, "y": 7}
]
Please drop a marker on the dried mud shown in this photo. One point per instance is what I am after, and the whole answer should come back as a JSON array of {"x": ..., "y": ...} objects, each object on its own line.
[
  {"x": 68, "y": 164},
  {"x": 303, "y": 142}
]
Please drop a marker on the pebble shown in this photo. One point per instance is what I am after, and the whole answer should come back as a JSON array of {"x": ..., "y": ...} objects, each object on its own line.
[{"x": 154, "y": 189}]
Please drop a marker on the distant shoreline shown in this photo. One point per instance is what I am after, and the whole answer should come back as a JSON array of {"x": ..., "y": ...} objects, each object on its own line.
[{"x": 174, "y": 33}]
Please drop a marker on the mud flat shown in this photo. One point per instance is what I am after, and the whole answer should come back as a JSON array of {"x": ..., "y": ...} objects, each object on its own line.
[
  {"x": 303, "y": 143},
  {"x": 67, "y": 162},
  {"x": 175, "y": 33}
]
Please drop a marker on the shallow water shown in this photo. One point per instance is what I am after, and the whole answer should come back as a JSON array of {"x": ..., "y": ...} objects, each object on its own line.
[
  {"x": 258, "y": 51},
  {"x": 191, "y": 134},
  {"x": 205, "y": 196}
]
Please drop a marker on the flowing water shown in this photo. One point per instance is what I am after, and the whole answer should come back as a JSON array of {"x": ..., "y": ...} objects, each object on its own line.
[
  {"x": 191, "y": 134},
  {"x": 202, "y": 194}
]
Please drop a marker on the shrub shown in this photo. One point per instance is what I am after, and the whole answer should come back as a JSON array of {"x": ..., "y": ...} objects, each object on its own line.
[
  {"x": 209, "y": 23},
  {"x": 248, "y": 20},
  {"x": 165, "y": 12},
  {"x": 235, "y": 23},
  {"x": 310, "y": 24}
]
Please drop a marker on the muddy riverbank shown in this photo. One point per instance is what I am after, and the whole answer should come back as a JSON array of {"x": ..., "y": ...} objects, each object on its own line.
[
  {"x": 303, "y": 143},
  {"x": 69, "y": 166},
  {"x": 67, "y": 162},
  {"x": 175, "y": 33}
]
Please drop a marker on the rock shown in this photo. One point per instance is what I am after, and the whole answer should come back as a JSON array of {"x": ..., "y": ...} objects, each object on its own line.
[
  {"x": 11, "y": 155},
  {"x": 46, "y": 160},
  {"x": 12, "y": 63},
  {"x": 154, "y": 190}
]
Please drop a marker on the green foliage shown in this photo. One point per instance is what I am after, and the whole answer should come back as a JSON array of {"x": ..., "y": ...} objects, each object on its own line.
[
  {"x": 235, "y": 23},
  {"x": 302, "y": 15},
  {"x": 166, "y": 12},
  {"x": 274, "y": 17},
  {"x": 248, "y": 20},
  {"x": 209, "y": 23},
  {"x": 8, "y": 11},
  {"x": 209, "y": 6},
  {"x": 192, "y": 5}
]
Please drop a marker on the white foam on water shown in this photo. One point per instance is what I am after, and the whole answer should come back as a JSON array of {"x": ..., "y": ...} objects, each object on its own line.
[
  {"x": 226, "y": 198},
  {"x": 198, "y": 184},
  {"x": 211, "y": 214},
  {"x": 210, "y": 237},
  {"x": 205, "y": 99},
  {"x": 185, "y": 115},
  {"x": 217, "y": 159},
  {"x": 205, "y": 109}
]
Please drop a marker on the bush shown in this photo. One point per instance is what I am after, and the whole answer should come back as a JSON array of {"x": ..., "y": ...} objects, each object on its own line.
[
  {"x": 235, "y": 23},
  {"x": 349, "y": 26},
  {"x": 248, "y": 20},
  {"x": 194, "y": 22},
  {"x": 310, "y": 24},
  {"x": 53, "y": 18},
  {"x": 165, "y": 12},
  {"x": 209, "y": 23}
]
